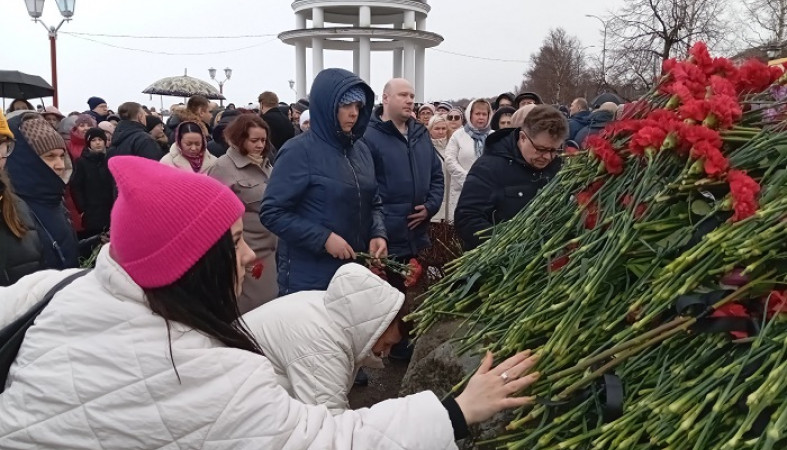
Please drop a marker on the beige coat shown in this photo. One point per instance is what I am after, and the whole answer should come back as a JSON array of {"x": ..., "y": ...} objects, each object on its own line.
[
  {"x": 175, "y": 159},
  {"x": 248, "y": 181}
]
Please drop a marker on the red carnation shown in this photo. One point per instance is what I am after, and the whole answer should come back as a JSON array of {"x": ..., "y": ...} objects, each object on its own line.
[
  {"x": 701, "y": 57},
  {"x": 591, "y": 215},
  {"x": 584, "y": 196},
  {"x": 256, "y": 269},
  {"x": 648, "y": 137},
  {"x": 603, "y": 150},
  {"x": 777, "y": 303},
  {"x": 733, "y": 310},
  {"x": 414, "y": 272},
  {"x": 743, "y": 190},
  {"x": 639, "y": 210},
  {"x": 723, "y": 67},
  {"x": 722, "y": 86},
  {"x": 754, "y": 76}
]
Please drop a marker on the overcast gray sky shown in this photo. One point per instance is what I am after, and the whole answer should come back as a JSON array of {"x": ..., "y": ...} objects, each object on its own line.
[{"x": 500, "y": 29}]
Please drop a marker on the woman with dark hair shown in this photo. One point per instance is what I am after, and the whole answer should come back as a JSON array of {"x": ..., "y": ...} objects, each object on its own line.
[
  {"x": 20, "y": 247},
  {"x": 20, "y": 104},
  {"x": 190, "y": 149},
  {"x": 91, "y": 185},
  {"x": 246, "y": 169},
  {"x": 148, "y": 350}
]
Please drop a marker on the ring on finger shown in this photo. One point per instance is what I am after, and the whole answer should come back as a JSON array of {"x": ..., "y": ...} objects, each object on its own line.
[{"x": 505, "y": 377}]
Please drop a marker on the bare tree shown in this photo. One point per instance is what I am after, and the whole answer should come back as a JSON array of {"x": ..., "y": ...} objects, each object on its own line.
[
  {"x": 644, "y": 33},
  {"x": 557, "y": 72},
  {"x": 766, "y": 21}
]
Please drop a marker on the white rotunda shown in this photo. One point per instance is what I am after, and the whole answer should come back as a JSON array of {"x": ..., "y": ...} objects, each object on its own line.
[{"x": 362, "y": 26}]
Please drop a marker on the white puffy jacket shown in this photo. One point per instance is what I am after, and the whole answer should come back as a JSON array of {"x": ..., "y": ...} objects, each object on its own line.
[
  {"x": 459, "y": 158},
  {"x": 317, "y": 340},
  {"x": 94, "y": 371}
]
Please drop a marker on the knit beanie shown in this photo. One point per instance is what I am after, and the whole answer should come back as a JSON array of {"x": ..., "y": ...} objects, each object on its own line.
[
  {"x": 4, "y": 129},
  {"x": 94, "y": 133},
  {"x": 446, "y": 106},
  {"x": 353, "y": 95},
  {"x": 85, "y": 118},
  {"x": 157, "y": 238},
  {"x": 151, "y": 123},
  {"x": 92, "y": 102},
  {"x": 428, "y": 106},
  {"x": 41, "y": 136},
  {"x": 301, "y": 106}
]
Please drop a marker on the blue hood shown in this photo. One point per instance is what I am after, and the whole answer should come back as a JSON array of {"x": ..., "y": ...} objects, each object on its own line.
[
  {"x": 32, "y": 179},
  {"x": 327, "y": 89}
]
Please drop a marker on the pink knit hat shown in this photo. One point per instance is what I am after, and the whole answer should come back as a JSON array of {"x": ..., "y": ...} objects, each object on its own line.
[{"x": 164, "y": 219}]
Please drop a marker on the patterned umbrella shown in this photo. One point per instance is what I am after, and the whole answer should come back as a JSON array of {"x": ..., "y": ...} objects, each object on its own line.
[{"x": 184, "y": 86}]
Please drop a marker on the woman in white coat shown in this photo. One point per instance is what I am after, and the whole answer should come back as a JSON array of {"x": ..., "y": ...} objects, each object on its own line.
[
  {"x": 465, "y": 147},
  {"x": 189, "y": 152},
  {"x": 146, "y": 351},
  {"x": 318, "y": 340}
]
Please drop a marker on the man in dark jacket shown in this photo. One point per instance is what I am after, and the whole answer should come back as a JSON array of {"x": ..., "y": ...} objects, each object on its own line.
[
  {"x": 598, "y": 120},
  {"x": 516, "y": 163},
  {"x": 322, "y": 199},
  {"x": 131, "y": 137},
  {"x": 579, "y": 114},
  {"x": 98, "y": 109},
  {"x": 408, "y": 168},
  {"x": 281, "y": 127}
]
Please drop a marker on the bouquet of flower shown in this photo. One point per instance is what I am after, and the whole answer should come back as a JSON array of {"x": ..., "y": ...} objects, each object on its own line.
[{"x": 649, "y": 274}]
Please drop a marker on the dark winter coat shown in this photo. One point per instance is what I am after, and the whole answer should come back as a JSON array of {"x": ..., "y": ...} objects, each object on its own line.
[
  {"x": 20, "y": 257},
  {"x": 323, "y": 181},
  {"x": 281, "y": 127},
  {"x": 409, "y": 173},
  {"x": 499, "y": 185},
  {"x": 91, "y": 187},
  {"x": 598, "y": 120},
  {"x": 131, "y": 138},
  {"x": 576, "y": 123},
  {"x": 99, "y": 118},
  {"x": 42, "y": 189}
]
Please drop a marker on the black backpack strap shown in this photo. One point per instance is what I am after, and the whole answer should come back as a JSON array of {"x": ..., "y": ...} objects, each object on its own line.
[{"x": 13, "y": 334}]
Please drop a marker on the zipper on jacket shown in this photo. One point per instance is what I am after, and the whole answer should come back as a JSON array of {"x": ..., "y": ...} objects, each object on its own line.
[{"x": 360, "y": 200}]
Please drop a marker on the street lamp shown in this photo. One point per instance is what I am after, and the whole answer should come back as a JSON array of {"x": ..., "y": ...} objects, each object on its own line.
[
  {"x": 34, "y": 9},
  {"x": 773, "y": 51},
  {"x": 605, "y": 23},
  {"x": 227, "y": 76}
]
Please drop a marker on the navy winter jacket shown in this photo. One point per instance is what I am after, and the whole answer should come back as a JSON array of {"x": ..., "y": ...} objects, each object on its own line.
[
  {"x": 42, "y": 189},
  {"x": 409, "y": 173},
  {"x": 576, "y": 123},
  {"x": 323, "y": 181}
]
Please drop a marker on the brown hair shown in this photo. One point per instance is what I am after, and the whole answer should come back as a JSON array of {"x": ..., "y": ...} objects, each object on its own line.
[
  {"x": 268, "y": 99},
  {"x": 481, "y": 102},
  {"x": 237, "y": 132},
  {"x": 8, "y": 207},
  {"x": 197, "y": 102},
  {"x": 546, "y": 118},
  {"x": 129, "y": 110}
]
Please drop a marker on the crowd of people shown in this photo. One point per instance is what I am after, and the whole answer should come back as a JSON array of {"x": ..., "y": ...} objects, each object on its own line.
[{"x": 238, "y": 228}]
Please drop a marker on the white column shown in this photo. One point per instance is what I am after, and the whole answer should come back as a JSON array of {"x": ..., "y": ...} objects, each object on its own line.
[
  {"x": 365, "y": 44},
  {"x": 397, "y": 63},
  {"x": 318, "y": 21},
  {"x": 420, "y": 73},
  {"x": 300, "y": 58},
  {"x": 356, "y": 60},
  {"x": 409, "y": 48}
]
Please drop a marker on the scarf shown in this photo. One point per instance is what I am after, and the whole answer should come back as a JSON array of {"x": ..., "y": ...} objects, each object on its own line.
[
  {"x": 195, "y": 161},
  {"x": 256, "y": 159},
  {"x": 479, "y": 137}
]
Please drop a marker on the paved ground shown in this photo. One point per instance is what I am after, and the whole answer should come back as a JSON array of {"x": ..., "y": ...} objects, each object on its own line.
[{"x": 383, "y": 384}]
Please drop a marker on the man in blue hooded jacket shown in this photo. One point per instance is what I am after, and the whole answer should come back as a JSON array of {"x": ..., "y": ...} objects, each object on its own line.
[
  {"x": 322, "y": 199},
  {"x": 409, "y": 171}
]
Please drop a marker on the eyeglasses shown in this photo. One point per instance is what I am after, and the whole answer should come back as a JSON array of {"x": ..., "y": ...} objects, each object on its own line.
[
  {"x": 543, "y": 149},
  {"x": 454, "y": 117}
]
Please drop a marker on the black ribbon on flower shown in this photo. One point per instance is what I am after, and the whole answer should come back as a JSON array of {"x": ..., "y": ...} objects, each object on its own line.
[
  {"x": 701, "y": 307},
  {"x": 612, "y": 395}
]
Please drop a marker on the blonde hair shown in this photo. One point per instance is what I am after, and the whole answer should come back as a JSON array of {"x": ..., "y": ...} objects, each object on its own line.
[
  {"x": 435, "y": 120},
  {"x": 518, "y": 118}
]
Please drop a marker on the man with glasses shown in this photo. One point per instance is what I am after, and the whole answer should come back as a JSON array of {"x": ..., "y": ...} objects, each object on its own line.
[{"x": 516, "y": 163}]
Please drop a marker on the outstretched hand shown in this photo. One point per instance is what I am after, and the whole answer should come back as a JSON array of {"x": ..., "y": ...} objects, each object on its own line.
[{"x": 492, "y": 390}]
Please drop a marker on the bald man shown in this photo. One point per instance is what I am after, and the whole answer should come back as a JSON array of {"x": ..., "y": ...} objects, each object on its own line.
[{"x": 409, "y": 172}]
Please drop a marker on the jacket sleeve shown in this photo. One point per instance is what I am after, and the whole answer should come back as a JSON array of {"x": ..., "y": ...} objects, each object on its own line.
[
  {"x": 475, "y": 206},
  {"x": 288, "y": 184},
  {"x": 148, "y": 148},
  {"x": 21, "y": 296},
  {"x": 260, "y": 414},
  {"x": 320, "y": 379},
  {"x": 378, "y": 218},
  {"x": 457, "y": 172},
  {"x": 78, "y": 187},
  {"x": 436, "y": 184}
]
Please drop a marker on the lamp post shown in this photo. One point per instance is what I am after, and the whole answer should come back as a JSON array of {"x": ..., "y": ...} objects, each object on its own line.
[
  {"x": 605, "y": 23},
  {"x": 773, "y": 51},
  {"x": 227, "y": 76},
  {"x": 34, "y": 9}
]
